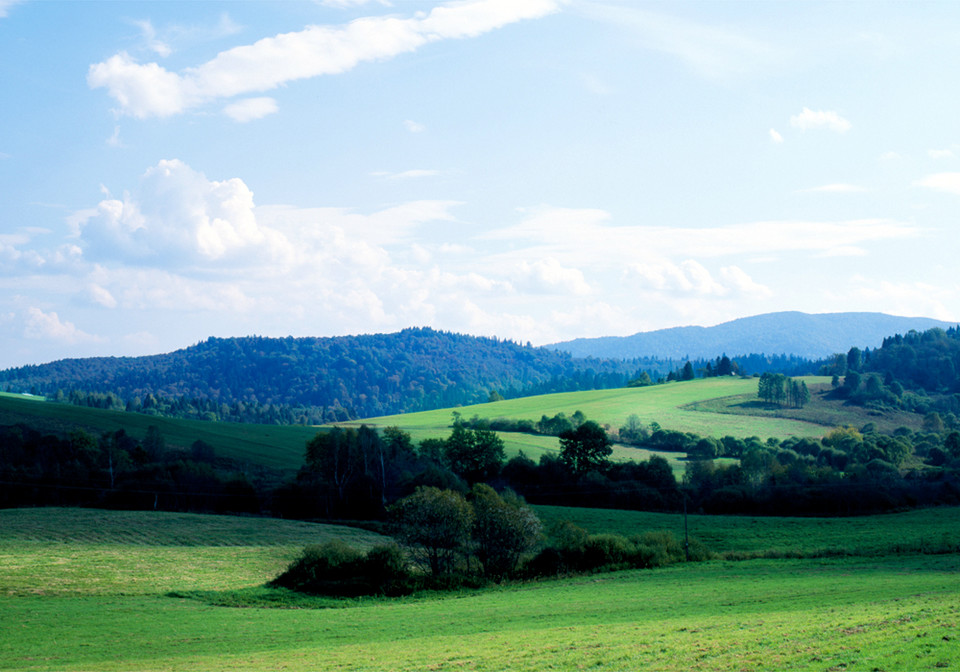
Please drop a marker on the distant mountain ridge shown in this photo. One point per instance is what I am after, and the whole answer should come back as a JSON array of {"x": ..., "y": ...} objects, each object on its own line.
[{"x": 813, "y": 336}]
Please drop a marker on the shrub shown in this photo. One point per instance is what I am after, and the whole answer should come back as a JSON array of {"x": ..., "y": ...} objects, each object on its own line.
[{"x": 336, "y": 569}]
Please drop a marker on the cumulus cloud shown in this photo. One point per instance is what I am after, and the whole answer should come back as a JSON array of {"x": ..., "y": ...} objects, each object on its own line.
[
  {"x": 948, "y": 182},
  {"x": 251, "y": 108},
  {"x": 549, "y": 276},
  {"x": 414, "y": 127},
  {"x": 43, "y": 326},
  {"x": 178, "y": 218},
  {"x": 775, "y": 136},
  {"x": 809, "y": 120},
  {"x": 941, "y": 154},
  {"x": 148, "y": 90},
  {"x": 692, "y": 278}
]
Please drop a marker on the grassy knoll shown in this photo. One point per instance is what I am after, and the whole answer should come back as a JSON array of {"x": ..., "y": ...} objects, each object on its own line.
[
  {"x": 670, "y": 405},
  {"x": 896, "y": 612},
  {"x": 276, "y": 447}
]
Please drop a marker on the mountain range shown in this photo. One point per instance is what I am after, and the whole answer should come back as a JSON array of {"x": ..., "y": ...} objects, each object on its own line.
[{"x": 812, "y": 336}]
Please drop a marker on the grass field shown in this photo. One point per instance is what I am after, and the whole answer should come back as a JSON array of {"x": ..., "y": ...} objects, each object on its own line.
[
  {"x": 892, "y": 612},
  {"x": 671, "y": 405}
]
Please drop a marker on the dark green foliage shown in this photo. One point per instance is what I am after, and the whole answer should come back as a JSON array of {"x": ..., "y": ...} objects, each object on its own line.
[
  {"x": 475, "y": 454},
  {"x": 436, "y": 525},
  {"x": 336, "y": 569},
  {"x": 572, "y": 549},
  {"x": 504, "y": 529},
  {"x": 585, "y": 448}
]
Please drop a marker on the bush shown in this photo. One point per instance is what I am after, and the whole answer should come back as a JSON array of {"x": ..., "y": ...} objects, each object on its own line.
[
  {"x": 607, "y": 551},
  {"x": 336, "y": 569}
]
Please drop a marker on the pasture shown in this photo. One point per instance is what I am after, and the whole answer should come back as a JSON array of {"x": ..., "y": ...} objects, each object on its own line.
[
  {"x": 669, "y": 404},
  {"x": 889, "y": 612}
]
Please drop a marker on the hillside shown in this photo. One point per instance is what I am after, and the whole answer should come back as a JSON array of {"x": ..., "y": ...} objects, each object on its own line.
[
  {"x": 315, "y": 380},
  {"x": 813, "y": 336}
]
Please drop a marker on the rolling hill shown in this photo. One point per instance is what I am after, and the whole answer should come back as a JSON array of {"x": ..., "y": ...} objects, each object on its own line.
[{"x": 812, "y": 336}]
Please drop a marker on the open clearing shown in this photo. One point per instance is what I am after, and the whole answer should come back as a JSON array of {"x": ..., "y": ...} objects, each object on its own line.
[{"x": 893, "y": 612}]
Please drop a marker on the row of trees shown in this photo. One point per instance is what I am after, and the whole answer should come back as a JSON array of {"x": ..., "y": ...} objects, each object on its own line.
[{"x": 776, "y": 388}]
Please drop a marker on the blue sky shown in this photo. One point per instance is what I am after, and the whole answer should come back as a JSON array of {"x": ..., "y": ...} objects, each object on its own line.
[{"x": 537, "y": 170}]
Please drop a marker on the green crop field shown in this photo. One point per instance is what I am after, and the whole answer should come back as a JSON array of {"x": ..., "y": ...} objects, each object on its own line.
[{"x": 91, "y": 590}]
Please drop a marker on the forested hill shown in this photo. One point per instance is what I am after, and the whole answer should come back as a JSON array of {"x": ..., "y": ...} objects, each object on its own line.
[
  {"x": 336, "y": 378},
  {"x": 811, "y": 336}
]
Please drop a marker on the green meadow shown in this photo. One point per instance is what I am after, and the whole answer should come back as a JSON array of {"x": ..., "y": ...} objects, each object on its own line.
[
  {"x": 99, "y": 590},
  {"x": 709, "y": 407}
]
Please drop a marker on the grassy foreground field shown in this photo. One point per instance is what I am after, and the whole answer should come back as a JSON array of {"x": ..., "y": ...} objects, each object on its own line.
[{"x": 858, "y": 613}]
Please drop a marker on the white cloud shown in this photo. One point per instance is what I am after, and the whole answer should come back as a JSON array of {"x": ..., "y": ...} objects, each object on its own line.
[
  {"x": 251, "y": 108},
  {"x": 149, "y": 90},
  {"x": 941, "y": 154},
  {"x": 549, "y": 276},
  {"x": 114, "y": 140},
  {"x": 740, "y": 283},
  {"x": 688, "y": 277},
  {"x": 949, "y": 182},
  {"x": 890, "y": 156},
  {"x": 414, "y": 127},
  {"x": 837, "y": 188},
  {"x": 154, "y": 44},
  {"x": 43, "y": 326},
  {"x": 775, "y": 136},
  {"x": 101, "y": 296},
  {"x": 180, "y": 219},
  {"x": 588, "y": 238},
  {"x": 820, "y": 119},
  {"x": 902, "y": 298}
]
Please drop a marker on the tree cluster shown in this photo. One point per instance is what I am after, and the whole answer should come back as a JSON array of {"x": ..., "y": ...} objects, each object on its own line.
[
  {"x": 116, "y": 470},
  {"x": 776, "y": 388}
]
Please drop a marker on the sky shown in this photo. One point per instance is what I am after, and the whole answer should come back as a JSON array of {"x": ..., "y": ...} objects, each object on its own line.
[{"x": 535, "y": 170}]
